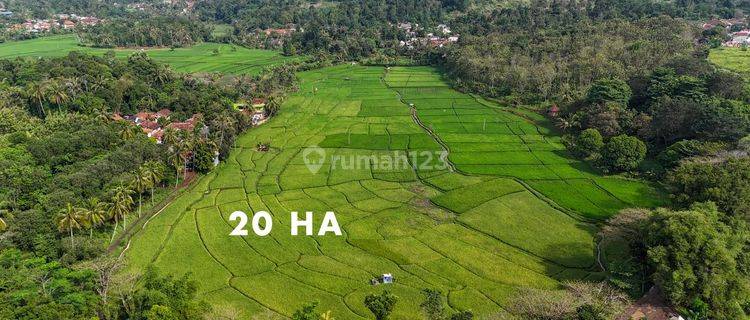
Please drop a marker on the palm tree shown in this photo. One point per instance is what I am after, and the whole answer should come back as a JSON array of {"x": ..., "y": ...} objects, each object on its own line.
[
  {"x": 130, "y": 131},
  {"x": 176, "y": 161},
  {"x": 155, "y": 173},
  {"x": 95, "y": 214},
  {"x": 222, "y": 123},
  {"x": 170, "y": 137},
  {"x": 38, "y": 92},
  {"x": 122, "y": 203},
  {"x": 141, "y": 182},
  {"x": 69, "y": 219},
  {"x": 57, "y": 92}
]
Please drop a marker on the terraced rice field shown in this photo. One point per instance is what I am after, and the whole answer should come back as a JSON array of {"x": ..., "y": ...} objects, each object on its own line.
[
  {"x": 198, "y": 58},
  {"x": 510, "y": 210}
]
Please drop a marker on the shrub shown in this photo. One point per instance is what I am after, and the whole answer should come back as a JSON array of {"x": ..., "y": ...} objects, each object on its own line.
[
  {"x": 623, "y": 153},
  {"x": 589, "y": 142}
]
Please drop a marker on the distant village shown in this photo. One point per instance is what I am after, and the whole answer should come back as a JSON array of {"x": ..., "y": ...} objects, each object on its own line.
[
  {"x": 416, "y": 35},
  {"x": 57, "y": 22},
  {"x": 154, "y": 124},
  {"x": 737, "y": 31},
  {"x": 440, "y": 38}
]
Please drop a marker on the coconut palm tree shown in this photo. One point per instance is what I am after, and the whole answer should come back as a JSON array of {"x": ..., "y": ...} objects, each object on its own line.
[
  {"x": 141, "y": 182},
  {"x": 155, "y": 173},
  {"x": 130, "y": 131},
  {"x": 38, "y": 92},
  {"x": 69, "y": 219},
  {"x": 57, "y": 92},
  {"x": 170, "y": 137},
  {"x": 96, "y": 214},
  {"x": 223, "y": 124},
  {"x": 122, "y": 203}
]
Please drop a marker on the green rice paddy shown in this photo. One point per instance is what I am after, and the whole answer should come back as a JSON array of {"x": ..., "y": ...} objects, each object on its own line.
[
  {"x": 734, "y": 59},
  {"x": 512, "y": 209},
  {"x": 195, "y": 59}
]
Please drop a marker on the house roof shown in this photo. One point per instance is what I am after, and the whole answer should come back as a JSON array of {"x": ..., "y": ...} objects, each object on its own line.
[
  {"x": 149, "y": 124},
  {"x": 163, "y": 113}
]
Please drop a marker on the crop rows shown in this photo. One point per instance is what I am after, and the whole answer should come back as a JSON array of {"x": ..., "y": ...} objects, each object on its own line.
[{"x": 477, "y": 233}]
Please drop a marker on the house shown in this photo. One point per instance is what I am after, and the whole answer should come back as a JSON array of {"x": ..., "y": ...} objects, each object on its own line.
[
  {"x": 553, "y": 111},
  {"x": 258, "y": 102},
  {"x": 387, "y": 278},
  {"x": 89, "y": 21},
  {"x": 148, "y": 124},
  {"x": 279, "y": 32},
  {"x": 143, "y": 116},
  {"x": 67, "y": 24},
  {"x": 163, "y": 113},
  {"x": 444, "y": 29},
  {"x": 258, "y": 118}
]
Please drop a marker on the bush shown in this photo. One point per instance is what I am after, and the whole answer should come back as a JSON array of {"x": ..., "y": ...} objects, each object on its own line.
[
  {"x": 609, "y": 90},
  {"x": 623, "y": 153},
  {"x": 589, "y": 142}
]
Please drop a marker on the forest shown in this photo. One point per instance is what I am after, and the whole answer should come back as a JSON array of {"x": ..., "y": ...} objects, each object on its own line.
[{"x": 153, "y": 32}]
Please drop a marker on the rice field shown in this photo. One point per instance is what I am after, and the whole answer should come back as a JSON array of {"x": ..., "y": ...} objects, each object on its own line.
[
  {"x": 199, "y": 58},
  {"x": 734, "y": 59},
  {"x": 510, "y": 209}
]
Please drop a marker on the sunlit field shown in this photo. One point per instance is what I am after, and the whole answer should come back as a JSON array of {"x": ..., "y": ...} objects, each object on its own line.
[
  {"x": 512, "y": 209},
  {"x": 199, "y": 58}
]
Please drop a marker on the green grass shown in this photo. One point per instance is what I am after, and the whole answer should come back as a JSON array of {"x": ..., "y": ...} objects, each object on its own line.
[
  {"x": 478, "y": 233},
  {"x": 199, "y": 58},
  {"x": 734, "y": 59}
]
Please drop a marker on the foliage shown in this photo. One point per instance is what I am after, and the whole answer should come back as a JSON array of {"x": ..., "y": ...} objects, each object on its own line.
[
  {"x": 609, "y": 90},
  {"x": 683, "y": 243},
  {"x": 432, "y": 306},
  {"x": 153, "y": 32},
  {"x": 164, "y": 296},
  {"x": 589, "y": 142},
  {"x": 37, "y": 288},
  {"x": 381, "y": 305},
  {"x": 623, "y": 153},
  {"x": 579, "y": 300},
  {"x": 723, "y": 181},
  {"x": 307, "y": 312}
]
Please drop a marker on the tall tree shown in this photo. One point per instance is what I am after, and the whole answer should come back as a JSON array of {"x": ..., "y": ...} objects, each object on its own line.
[
  {"x": 68, "y": 219},
  {"x": 122, "y": 204},
  {"x": 381, "y": 305},
  {"x": 140, "y": 183}
]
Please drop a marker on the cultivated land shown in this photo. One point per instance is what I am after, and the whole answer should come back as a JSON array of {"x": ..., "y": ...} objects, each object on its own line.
[
  {"x": 517, "y": 211},
  {"x": 198, "y": 58},
  {"x": 731, "y": 58}
]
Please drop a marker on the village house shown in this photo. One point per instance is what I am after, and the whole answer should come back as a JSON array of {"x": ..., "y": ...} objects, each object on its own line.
[
  {"x": 62, "y": 21},
  {"x": 430, "y": 39},
  {"x": 150, "y": 124},
  {"x": 726, "y": 23},
  {"x": 739, "y": 38},
  {"x": 280, "y": 31}
]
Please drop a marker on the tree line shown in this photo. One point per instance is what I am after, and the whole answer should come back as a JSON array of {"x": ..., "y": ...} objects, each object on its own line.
[{"x": 171, "y": 32}]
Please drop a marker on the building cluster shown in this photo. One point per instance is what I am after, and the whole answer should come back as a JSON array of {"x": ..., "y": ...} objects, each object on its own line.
[
  {"x": 441, "y": 37},
  {"x": 185, "y": 5},
  {"x": 152, "y": 123},
  {"x": 59, "y": 21},
  {"x": 738, "y": 39},
  {"x": 736, "y": 28},
  {"x": 276, "y": 36},
  {"x": 256, "y": 111}
]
